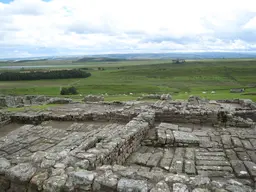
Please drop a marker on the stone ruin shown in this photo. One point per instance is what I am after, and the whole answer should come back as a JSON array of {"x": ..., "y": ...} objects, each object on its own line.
[
  {"x": 129, "y": 146},
  {"x": 93, "y": 98},
  {"x": 155, "y": 96},
  {"x": 21, "y": 101}
]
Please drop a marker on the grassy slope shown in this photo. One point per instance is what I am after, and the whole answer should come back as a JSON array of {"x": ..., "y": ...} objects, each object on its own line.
[{"x": 153, "y": 76}]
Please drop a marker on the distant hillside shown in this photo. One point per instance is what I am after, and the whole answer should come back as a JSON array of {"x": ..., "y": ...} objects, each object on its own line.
[
  {"x": 25, "y": 61},
  {"x": 99, "y": 59},
  {"x": 140, "y": 56}
]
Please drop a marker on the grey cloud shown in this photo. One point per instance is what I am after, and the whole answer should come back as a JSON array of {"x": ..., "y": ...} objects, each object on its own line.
[
  {"x": 234, "y": 30},
  {"x": 244, "y": 35}
]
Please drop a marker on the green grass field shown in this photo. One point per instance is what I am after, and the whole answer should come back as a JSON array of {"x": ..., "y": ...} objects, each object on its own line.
[{"x": 119, "y": 79}]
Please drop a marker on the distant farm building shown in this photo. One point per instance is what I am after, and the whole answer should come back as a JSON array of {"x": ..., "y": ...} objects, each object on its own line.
[
  {"x": 236, "y": 90},
  {"x": 178, "y": 60}
]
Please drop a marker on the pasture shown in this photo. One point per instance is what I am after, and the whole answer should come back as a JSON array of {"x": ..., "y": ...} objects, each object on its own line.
[{"x": 126, "y": 80}]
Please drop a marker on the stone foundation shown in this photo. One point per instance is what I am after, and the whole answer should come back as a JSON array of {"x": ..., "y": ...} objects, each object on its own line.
[{"x": 129, "y": 147}]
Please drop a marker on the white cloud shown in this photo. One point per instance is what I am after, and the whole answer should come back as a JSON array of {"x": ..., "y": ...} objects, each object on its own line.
[{"x": 145, "y": 25}]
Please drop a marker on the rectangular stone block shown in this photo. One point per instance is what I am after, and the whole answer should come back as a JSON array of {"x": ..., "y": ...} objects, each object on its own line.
[
  {"x": 251, "y": 167},
  {"x": 252, "y": 155},
  {"x": 169, "y": 126},
  {"x": 236, "y": 142},
  {"x": 190, "y": 167},
  {"x": 226, "y": 140},
  {"x": 190, "y": 154},
  {"x": 231, "y": 154},
  {"x": 210, "y": 154},
  {"x": 169, "y": 137},
  {"x": 214, "y": 173},
  {"x": 214, "y": 168},
  {"x": 161, "y": 136},
  {"x": 165, "y": 163},
  {"x": 253, "y": 142},
  {"x": 185, "y": 129},
  {"x": 248, "y": 145},
  {"x": 211, "y": 158},
  {"x": 216, "y": 138},
  {"x": 239, "y": 168},
  {"x": 168, "y": 153},
  {"x": 177, "y": 163},
  {"x": 176, "y": 166},
  {"x": 154, "y": 159},
  {"x": 243, "y": 156},
  {"x": 211, "y": 162},
  {"x": 185, "y": 137}
]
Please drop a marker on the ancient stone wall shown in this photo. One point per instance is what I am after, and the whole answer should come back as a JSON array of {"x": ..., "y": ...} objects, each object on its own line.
[
  {"x": 21, "y": 101},
  {"x": 36, "y": 118},
  {"x": 55, "y": 168},
  {"x": 246, "y": 114},
  {"x": 114, "y": 156},
  {"x": 93, "y": 98},
  {"x": 207, "y": 118},
  {"x": 4, "y": 119}
]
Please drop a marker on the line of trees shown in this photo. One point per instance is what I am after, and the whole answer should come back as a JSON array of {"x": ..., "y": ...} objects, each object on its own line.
[{"x": 37, "y": 75}]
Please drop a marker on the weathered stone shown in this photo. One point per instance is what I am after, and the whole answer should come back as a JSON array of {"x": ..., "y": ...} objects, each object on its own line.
[
  {"x": 154, "y": 159},
  {"x": 55, "y": 183},
  {"x": 169, "y": 137},
  {"x": 177, "y": 162},
  {"x": 231, "y": 154},
  {"x": 236, "y": 141},
  {"x": 169, "y": 126},
  {"x": 161, "y": 186},
  {"x": 247, "y": 145},
  {"x": 190, "y": 153},
  {"x": 165, "y": 163},
  {"x": 4, "y": 184},
  {"x": 209, "y": 163},
  {"x": 251, "y": 167},
  {"x": 46, "y": 163},
  {"x": 185, "y": 137},
  {"x": 243, "y": 156},
  {"x": 185, "y": 129},
  {"x": 211, "y": 158},
  {"x": 190, "y": 167},
  {"x": 93, "y": 98},
  {"x": 125, "y": 185},
  {"x": 176, "y": 178},
  {"x": 215, "y": 168},
  {"x": 4, "y": 165},
  {"x": 201, "y": 190},
  {"x": 179, "y": 187},
  {"x": 84, "y": 164},
  {"x": 210, "y": 154},
  {"x": 210, "y": 173},
  {"x": 82, "y": 179},
  {"x": 226, "y": 140},
  {"x": 22, "y": 172},
  {"x": 38, "y": 180},
  {"x": 200, "y": 180},
  {"x": 106, "y": 182},
  {"x": 252, "y": 155},
  {"x": 239, "y": 168}
]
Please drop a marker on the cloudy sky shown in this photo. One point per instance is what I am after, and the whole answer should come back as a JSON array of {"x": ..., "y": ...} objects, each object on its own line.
[{"x": 60, "y": 27}]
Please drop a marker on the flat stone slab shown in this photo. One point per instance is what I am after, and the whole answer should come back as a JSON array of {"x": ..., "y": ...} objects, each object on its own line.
[
  {"x": 169, "y": 126},
  {"x": 185, "y": 137}
]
